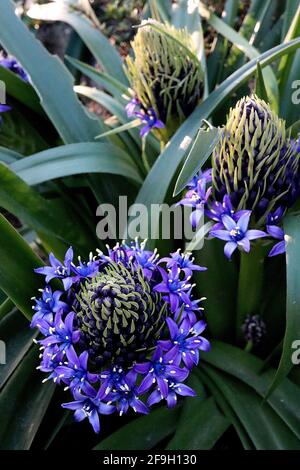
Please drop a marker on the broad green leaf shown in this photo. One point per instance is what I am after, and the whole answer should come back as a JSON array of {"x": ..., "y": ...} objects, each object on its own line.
[
  {"x": 8, "y": 156},
  {"x": 23, "y": 403},
  {"x": 87, "y": 27},
  {"x": 289, "y": 14},
  {"x": 19, "y": 135},
  {"x": 154, "y": 427},
  {"x": 260, "y": 87},
  {"x": 20, "y": 90},
  {"x": 250, "y": 28},
  {"x": 109, "y": 103},
  {"x": 243, "y": 44},
  {"x": 226, "y": 408},
  {"x": 219, "y": 285},
  {"x": 15, "y": 332},
  {"x": 285, "y": 63},
  {"x": 111, "y": 84},
  {"x": 75, "y": 159},
  {"x": 57, "y": 96},
  {"x": 292, "y": 332},
  {"x": 186, "y": 15},
  {"x": 290, "y": 98},
  {"x": 202, "y": 148},
  {"x": 18, "y": 261},
  {"x": 203, "y": 429},
  {"x": 6, "y": 307},
  {"x": 125, "y": 127},
  {"x": 46, "y": 217},
  {"x": 251, "y": 285},
  {"x": 160, "y": 9},
  {"x": 246, "y": 367},
  {"x": 215, "y": 61},
  {"x": 132, "y": 139},
  {"x": 264, "y": 426},
  {"x": 172, "y": 155},
  {"x": 209, "y": 426}
]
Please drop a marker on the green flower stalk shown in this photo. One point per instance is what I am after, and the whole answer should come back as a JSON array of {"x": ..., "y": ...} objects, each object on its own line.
[
  {"x": 165, "y": 74},
  {"x": 255, "y": 164}
]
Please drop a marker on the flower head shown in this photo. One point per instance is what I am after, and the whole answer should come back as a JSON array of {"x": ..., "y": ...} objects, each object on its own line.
[
  {"x": 254, "y": 329},
  {"x": 255, "y": 164},
  {"x": 165, "y": 74},
  {"x": 109, "y": 335}
]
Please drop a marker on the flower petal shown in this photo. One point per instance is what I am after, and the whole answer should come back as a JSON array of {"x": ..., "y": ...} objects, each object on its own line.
[
  {"x": 229, "y": 249},
  {"x": 253, "y": 234},
  {"x": 278, "y": 249},
  {"x": 221, "y": 234},
  {"x": 243, "y": 221}
]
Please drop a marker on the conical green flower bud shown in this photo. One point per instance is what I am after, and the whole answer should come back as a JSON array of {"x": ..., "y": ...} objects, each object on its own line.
[
  {"x": 119, "y": 314},
  {"x": 254, "y": 163},
  {"x": 165, "y": 73}
]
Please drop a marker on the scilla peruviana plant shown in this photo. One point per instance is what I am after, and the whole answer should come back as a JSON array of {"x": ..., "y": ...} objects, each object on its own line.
[
  {"x": 165, "y": 75},
  {"x": 123, "y": 332}
]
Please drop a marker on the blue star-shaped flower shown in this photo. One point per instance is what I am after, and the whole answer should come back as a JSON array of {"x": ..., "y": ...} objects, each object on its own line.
[
  {"x": 183, "y": 261},
  {"x": 62, "y": 333},
  {"x": 185, "y": 342},
  {"x": 45, "y": 307},
  {"x": 236, "y": 233},
  {"x": 74, "y": 372},
  {"x": 175, "y": 287},
  {"x": 174, "y": 389},
  {"x": 159, "y": 371},
  {"x": 126, "y": 395},
  {"x": 197, "y": 198},
  {"x": 59, "y": 270},
  {"x": 89, "y": 406}
]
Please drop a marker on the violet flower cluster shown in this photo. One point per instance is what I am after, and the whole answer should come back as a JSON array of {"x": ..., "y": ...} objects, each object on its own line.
[
  {"x": 254, "y": 179},
  {"x": 230, "y": 225},
  {"x": 123, "y": 331},
  {"x": 148, "y": 117}
]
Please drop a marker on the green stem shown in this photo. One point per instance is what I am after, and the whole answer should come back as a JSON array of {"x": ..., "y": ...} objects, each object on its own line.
[
  {"x": 248, "y": 346},
  {"x": 144, "y": 156},
  {"x": 250, "y": 285}
]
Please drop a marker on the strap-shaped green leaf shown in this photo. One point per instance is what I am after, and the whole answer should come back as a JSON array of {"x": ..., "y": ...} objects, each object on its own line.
[
  {"x": 52, "y": 81},
  {"x": 246, "y": 367},
  {"x": 18, "y": 261},
  {"x": 292, "y": 332},
  {"x": 75, "y": 159},
  {"x": 15, "y": 332},
  {"x": 263, "y": 425},
  {"x": 154, "y": 427},
  {"x": 23, "y": 403}
]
